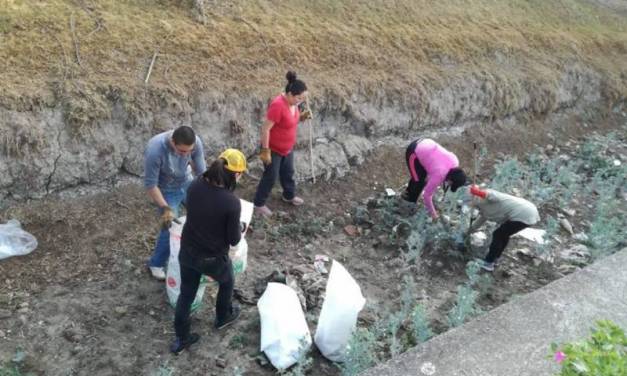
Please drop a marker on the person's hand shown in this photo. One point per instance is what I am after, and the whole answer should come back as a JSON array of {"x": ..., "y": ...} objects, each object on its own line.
[
  {"x": 306, "y": 115},
  {"x": 166, "y": 218},
  {"x": 266, "y": 156}
]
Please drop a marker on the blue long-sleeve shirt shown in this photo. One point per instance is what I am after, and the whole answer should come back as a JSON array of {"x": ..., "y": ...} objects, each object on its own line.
[{"x": 165, "y": 169}]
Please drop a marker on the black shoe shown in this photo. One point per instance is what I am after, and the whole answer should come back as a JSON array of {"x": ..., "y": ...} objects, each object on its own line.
[
  {"x": 180, "y": 345},
  {"x": 235, "y": 311}
]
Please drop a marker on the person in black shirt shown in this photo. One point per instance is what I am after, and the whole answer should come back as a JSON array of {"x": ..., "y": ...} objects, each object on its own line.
[{"x": 211, "y": 227}]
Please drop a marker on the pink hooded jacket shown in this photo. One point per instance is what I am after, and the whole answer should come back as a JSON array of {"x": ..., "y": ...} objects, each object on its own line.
[{"x": 437, "y": 161}]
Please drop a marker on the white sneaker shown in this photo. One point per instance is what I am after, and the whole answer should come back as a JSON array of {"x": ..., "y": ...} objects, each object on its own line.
[{"x": 157, "y": 272}]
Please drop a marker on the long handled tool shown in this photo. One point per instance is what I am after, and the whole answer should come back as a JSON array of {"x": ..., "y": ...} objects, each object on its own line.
[{"x": 310, "y": 123}]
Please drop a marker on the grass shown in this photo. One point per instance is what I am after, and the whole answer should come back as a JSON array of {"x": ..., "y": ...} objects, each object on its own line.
[{"x": 243, "y": 47}]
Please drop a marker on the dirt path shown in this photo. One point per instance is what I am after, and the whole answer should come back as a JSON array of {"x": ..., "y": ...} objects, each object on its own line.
[{"x": 83, "y": 302}]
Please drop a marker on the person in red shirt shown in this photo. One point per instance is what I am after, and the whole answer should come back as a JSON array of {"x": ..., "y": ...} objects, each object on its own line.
[{"x": 278, "y": 137}]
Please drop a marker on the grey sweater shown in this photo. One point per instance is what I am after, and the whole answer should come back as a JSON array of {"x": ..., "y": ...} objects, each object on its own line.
[{"x": 500, "y": 207}]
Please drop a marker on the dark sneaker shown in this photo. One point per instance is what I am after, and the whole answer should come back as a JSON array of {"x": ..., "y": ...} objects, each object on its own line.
[
  {"x": 235, "y": 311},
  {"x": 179, "y": 345}
]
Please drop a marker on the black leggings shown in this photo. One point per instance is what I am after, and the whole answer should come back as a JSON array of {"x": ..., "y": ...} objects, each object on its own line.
[
  {"x": 414, "y": 187},
  {"x": 500, "y": 238}
]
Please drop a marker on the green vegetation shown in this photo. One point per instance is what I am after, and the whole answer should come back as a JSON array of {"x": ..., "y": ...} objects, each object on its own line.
[{"x": 604, "y": 353}]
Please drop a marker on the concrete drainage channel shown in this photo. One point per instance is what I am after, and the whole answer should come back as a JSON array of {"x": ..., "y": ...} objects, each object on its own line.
[
  {"x": 515, "y": 338},
  {"x": 108, "y": 252}
]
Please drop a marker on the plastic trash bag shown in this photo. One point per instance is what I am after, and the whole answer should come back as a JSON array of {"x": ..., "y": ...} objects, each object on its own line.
[
  {"x": 338, "y": 316},
  {"x": 173, "y": 274},
  {"x": 14, "y": 241},
  {"x": 284, "y": 331},
  {"x": 239, "y": 256}
]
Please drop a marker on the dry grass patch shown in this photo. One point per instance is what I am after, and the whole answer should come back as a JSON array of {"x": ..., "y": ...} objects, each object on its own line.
[{"x": 84, "y": 53}]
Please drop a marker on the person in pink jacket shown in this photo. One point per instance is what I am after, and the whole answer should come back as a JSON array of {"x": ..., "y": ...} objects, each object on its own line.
[{"x": 430, "y": 166}]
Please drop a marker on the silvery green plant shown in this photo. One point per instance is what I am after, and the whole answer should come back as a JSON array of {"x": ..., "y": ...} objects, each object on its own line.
[{"x": 361, "y": 353}]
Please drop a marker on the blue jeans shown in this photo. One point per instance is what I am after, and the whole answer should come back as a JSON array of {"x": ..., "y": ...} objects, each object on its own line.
[
  {"x": 281, "y": 167},
  {"x": 160, "y": 255}
]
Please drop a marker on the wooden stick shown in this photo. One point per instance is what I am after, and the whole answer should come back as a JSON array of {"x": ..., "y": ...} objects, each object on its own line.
[
  {"x": 152, "y": 63},
  {"x": 313, "y": 174}
]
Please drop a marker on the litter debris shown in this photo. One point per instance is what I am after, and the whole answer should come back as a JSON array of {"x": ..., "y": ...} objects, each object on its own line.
[
  {"x": 533, "y": 234},
  {"x": 14, "y": 241},
  {"x": 477, "y": 239},
  {"x": 351, "y": 230},
  {"x": 389, "y": 192},
  {"x": 319, "y": 264}
]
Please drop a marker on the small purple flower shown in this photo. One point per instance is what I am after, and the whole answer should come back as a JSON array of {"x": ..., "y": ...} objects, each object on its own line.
[{"x": 559, "y": 357}]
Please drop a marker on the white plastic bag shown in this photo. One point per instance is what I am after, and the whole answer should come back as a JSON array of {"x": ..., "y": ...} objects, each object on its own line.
[
  {"x": 284, "y": 331},
  {"x": 14, "y": 241},
  {"x": 173, "y": 275},
  {"x": 338, "y": 317},
  {"x": 239, "y": 256}
]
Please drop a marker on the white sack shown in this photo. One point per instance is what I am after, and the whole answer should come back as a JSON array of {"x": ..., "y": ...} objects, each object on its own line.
[
  {"x": 338, "y": 317},
  {"x": 284, "y": 331}
]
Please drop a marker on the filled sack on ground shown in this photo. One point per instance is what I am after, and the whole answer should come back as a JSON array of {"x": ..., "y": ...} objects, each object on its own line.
[
  {"x": 338, "y": 316},
  {"x": 284, "y": 331}
]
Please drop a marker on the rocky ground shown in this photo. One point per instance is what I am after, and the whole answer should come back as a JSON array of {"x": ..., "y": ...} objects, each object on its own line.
[{"x": 83, "y": 302}]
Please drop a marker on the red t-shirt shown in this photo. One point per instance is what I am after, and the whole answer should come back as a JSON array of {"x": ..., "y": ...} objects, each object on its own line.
[{"x": 283, "y": 133}]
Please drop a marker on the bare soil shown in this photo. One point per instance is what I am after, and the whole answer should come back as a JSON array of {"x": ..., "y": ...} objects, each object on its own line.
[{"x": 83, "y": 302}]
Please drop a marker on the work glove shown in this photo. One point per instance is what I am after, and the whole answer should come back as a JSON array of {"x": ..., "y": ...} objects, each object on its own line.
[
  {"x": 166, "y": 218},
  {"x": 306, "y": 115},
  {"x": 266, "y": 156},
  {"x": 476, "y": 191}
]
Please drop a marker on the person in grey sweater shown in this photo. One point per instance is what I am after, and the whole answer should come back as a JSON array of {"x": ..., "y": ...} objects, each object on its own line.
[{"x": 512, "y": 214}]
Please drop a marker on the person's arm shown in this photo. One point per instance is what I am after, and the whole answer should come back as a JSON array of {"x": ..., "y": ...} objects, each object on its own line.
[
  {"x": 157, "y": 197},
  {"x": 233, "y": 229},
  {"x": 152, "y": 166},
  {"x": 198, "y": 158},
  {"x": 433, "y": 182},
  {"x": 265, "y": 133}
]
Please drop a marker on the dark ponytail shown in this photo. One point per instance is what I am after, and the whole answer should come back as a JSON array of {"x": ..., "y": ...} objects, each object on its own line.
[
  {"x": 218, "y": 176},
  {"x": 294, "y": 86}
]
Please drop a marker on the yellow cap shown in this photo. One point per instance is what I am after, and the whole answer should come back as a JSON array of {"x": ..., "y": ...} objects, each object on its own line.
[{"x": 235, "y": 160}]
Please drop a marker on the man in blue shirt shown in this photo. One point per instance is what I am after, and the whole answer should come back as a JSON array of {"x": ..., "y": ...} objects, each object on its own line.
[{"x": 170, "y": 158}]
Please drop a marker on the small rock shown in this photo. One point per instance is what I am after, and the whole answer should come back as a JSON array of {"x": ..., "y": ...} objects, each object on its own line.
[
  {"x": 524, "y": 251},
  {"x": 23, "y": 305},
  {"x": 567, "y": 268},
  {"x": 569, "y": 212},
  {"x": 120, "y": 310},
  {"x": 221, "y": 362},
  {"x": 351, "y": 230},
  {"x": 537, "y": 262},
  {"x": 580, "y": 237},
  {"x": 5, "y": 314},
  {"x": 616, "y": 162},
  {"x": 2, "y": 335},
  {"x": 151, "y": 312},
  {"x": 23, "y": 310},
  {"x": 567, "y": 226},
  {"x": 549, "y": 147}
]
